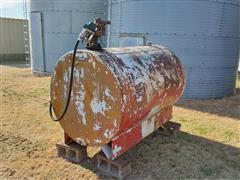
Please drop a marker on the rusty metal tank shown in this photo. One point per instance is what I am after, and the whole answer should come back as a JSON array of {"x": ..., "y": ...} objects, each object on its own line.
[{"x": 114, "y": 90}]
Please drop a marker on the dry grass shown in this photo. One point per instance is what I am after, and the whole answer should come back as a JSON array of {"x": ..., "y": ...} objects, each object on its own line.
[{"x": 207, "y": 148}]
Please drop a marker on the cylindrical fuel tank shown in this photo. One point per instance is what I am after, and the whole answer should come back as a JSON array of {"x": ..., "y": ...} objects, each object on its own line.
[{"x": 115, "y": 89}]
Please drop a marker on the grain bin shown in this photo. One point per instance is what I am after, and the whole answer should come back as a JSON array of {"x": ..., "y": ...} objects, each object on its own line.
[
  {"x": 204, "y": 34},
  {"x": 119, "y": 95},
  {"x": 55, "y": 25}
]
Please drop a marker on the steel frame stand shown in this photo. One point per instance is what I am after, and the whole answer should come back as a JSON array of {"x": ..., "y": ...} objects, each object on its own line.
[{"x": 119, "y": 167}]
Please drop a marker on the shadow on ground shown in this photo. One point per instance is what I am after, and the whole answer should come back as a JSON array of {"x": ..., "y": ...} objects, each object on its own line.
[
  {"x": 184, "y": 157},
  {"x": 227, "y": 106}
]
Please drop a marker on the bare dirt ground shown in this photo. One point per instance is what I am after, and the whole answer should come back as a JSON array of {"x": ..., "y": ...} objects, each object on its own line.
[{"x": 208, "y": 146}]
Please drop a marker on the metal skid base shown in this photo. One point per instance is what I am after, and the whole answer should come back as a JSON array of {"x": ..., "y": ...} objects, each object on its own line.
[
  {"x": 119, "y": 167},
  {"x": 135, "y": 134}
]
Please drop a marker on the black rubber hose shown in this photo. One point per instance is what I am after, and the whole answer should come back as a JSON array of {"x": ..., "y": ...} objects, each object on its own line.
[{"x": 69, "y": 89}]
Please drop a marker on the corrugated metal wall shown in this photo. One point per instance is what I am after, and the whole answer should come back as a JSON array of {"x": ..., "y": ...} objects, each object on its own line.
[
  {"x": 12, "y": 39},
  {"x": 55, "y": 25},
  {"x": 204, "y": 34}
]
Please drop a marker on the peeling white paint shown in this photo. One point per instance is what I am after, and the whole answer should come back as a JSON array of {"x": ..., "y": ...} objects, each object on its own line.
[
  {"x": 108, "y": 134},
  {"x": 124, "y": 102},
  {"x": 115, "y": 122},
  {"x": 81, "y": 141},
  {"x": 139, "y": 99},
  {"x": 65, "y": 90},
  {"x": 97, "y": 126},
  {"x": 147, "y": 127},
  {"x": 124, "y": 98},
  {"x": 167, "y": 73},
  {"x": 98, "y": 141},
  {"x": 65, "y": 77},
  {"x": 107, "y": 93},
  {"x": 152, "y": 113},
  {"x": 79, "y": 73},
  {"x": 169, "y": 85},
  {"x": 180, "y": 84},
  {"x": 165, "y": 95},
  {"x": 98, "y": 106},
  {"x": 79, "y": 102},
  {"x": 66, "y": 74},
  {"x": 116, "y": 149},
  {"x": 54, "y": 95},
  {"x": 87, "y": 141},
  {"x": 82, "y": 56},
  {"x": 94, "y": 64},
  {"x": 148, "y": 122},
  {"x": 129, "y": 130},
  {"x": 174, "y": 76}
]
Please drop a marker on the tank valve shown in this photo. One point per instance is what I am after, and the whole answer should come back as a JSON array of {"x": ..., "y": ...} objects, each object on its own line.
[{"x": 91, "y": 32}]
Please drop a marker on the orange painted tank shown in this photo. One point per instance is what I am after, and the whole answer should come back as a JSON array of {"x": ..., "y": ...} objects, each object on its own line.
[{"x": 115, "y": 89}]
